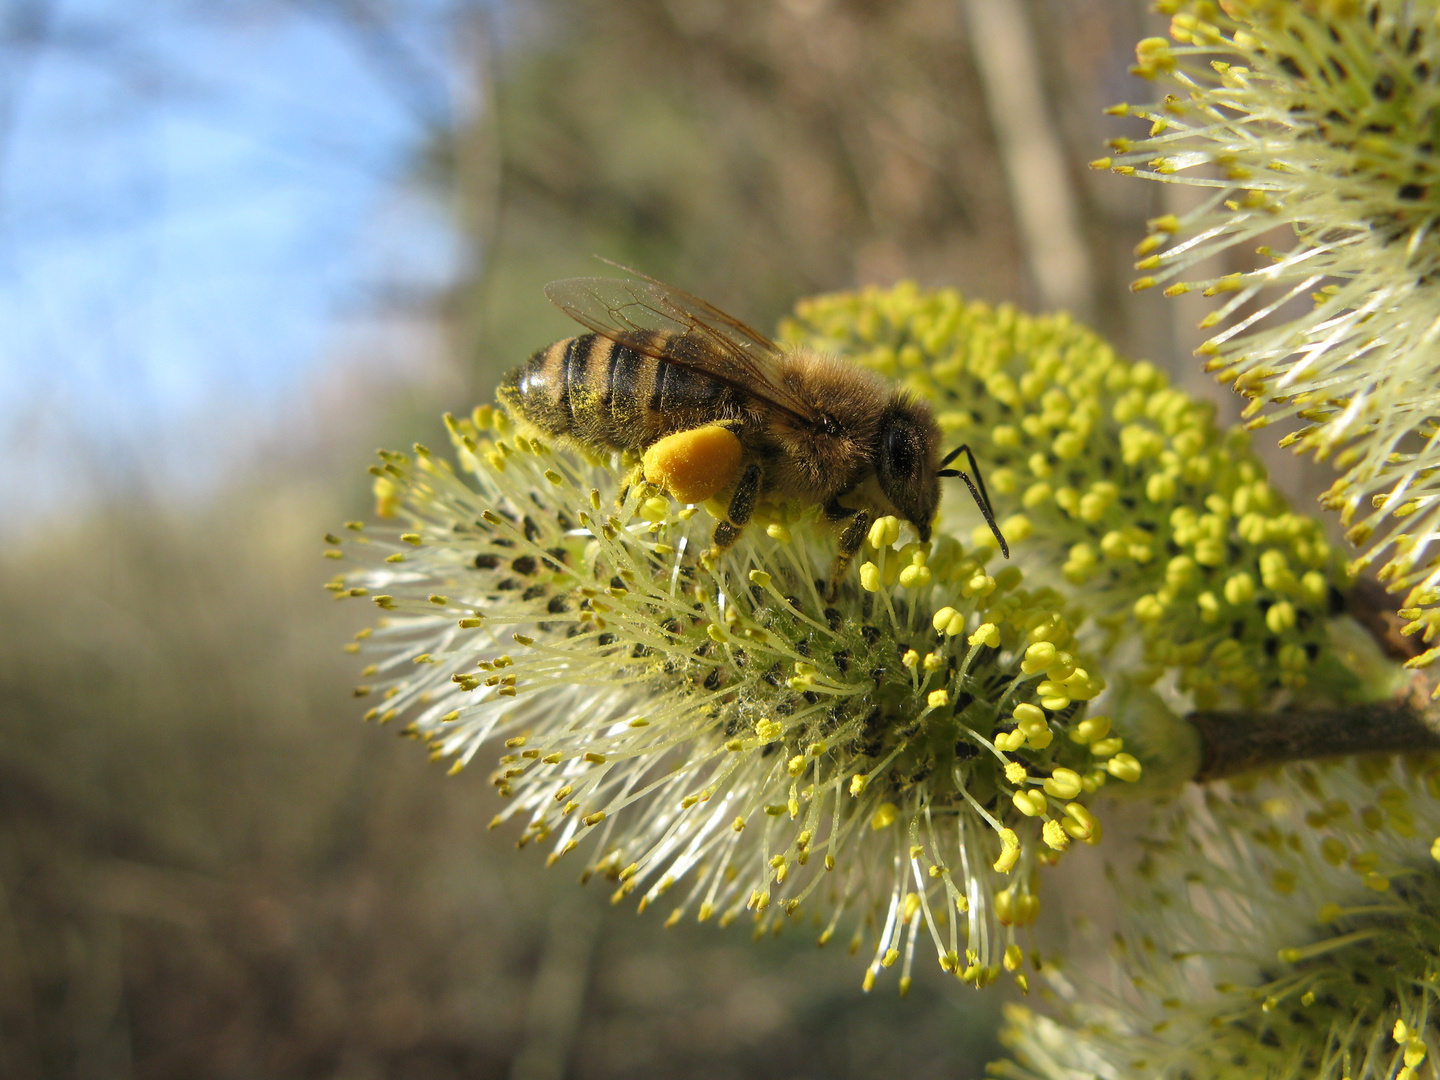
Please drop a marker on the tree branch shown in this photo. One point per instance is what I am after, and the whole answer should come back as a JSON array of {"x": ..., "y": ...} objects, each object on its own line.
[{"x": 1235, "y": 742}]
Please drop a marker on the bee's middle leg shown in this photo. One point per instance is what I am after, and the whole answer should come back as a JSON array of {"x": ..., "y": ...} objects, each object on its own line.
[
  {"x": 738, "y": 513},
  {"x": 851, "y": 537}
]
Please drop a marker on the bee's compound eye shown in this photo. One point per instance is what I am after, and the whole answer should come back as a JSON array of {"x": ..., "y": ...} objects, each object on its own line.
[{"x": 899, "y": 450}]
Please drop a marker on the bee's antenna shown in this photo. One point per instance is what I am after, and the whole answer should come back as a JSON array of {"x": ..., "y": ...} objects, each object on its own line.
[{"x": 980, "y": 495}]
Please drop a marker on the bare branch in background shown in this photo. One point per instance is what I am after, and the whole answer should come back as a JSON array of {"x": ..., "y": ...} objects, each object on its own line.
[
  {"x": 1035, "y": 163},
  {"x": 557, "y": 995}
]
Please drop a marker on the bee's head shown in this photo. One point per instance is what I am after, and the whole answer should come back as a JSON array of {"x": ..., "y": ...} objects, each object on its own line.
[{"x": 906, "y": 462}]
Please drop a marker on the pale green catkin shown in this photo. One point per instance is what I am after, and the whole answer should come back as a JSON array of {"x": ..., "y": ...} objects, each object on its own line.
[
  {"x": 1288, "y": 927},
  {"x": 894, "y": 765},
  {"x": 1311, "y": 127},
  {"x": 1163, "y": 525}
]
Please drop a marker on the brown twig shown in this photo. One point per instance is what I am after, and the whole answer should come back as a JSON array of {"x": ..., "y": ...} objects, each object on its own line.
[
  {"x": 1234, "y": 742},
  {"x": 1042, "y": 196}
]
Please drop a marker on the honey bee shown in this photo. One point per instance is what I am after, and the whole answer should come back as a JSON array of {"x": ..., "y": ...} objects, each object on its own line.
[{"x": 662, "y": 368}]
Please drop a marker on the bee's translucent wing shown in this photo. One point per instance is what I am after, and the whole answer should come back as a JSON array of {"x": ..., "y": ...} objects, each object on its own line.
[
  {"x": 672, "y": 325},
  {"x": 706, "y": 313}
]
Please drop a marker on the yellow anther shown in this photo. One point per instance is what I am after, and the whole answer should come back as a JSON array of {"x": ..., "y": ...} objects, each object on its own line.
[
  {"x": 1055, "y": 836},
  {"x": 870, "y": 577},
  {"x": 1038, "y": 657},
  {"x": 1063, "y": 784},
  {"x": 915, "y": 576},
  {"x": 980, "y": 583},
  {"x": 1239, "y": 589},
  {"x": 1280, "y": 617},
  {"x": 911, "y": 908},
  {"x": 1030, "y": 803},
  {"x": 986, "y": 634},
  {"x": 1010, "y": 740},
  {"x": 1104, "y": 748},
  {"x": 1009, "y": 853},
  {"x": 1149, "y": 608},
  {"x": 1123, "y": 767},
  {"x": 884, "y": 532},
  {"x": 1026, "y": 713},
  {"x": 777, "y": 531}
]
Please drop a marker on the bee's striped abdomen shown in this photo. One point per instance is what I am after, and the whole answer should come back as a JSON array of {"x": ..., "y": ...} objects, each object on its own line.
[
  {"x": 545, "y": 389},
  {"x": 679, "y": 389},
  {"x": 605, "y": 394}
]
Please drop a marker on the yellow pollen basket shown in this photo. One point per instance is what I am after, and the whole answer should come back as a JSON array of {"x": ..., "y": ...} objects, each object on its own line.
[{"x": 693, "y": 465}]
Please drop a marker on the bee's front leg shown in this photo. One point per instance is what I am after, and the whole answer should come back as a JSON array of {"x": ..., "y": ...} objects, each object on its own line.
[
  {"x": 851, "y": 538},
  {"x": 742, "y": 506}
]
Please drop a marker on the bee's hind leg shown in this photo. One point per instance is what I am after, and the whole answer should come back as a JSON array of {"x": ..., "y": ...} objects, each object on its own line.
[
  {"x": 851, "y": 538},
  {"x": 738, "y": 513}
]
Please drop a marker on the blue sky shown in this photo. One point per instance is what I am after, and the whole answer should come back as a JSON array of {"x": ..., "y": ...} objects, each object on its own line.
[{"x": 193, "y": 196}]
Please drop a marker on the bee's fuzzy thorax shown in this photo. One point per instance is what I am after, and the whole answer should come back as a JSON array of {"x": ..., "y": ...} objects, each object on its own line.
[{"x": 816, "y": 466}]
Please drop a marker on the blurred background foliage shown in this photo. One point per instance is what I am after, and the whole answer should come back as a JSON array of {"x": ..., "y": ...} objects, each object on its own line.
[{"x": 208, "y": 865}]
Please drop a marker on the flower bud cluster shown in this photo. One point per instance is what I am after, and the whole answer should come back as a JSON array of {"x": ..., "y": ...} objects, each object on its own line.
[
  {"x": 895, "y": 762},
  {"x": 1315, "y": 122},
  {"x": 1289, "y": 927},
  {"x": 1162, "y": 526}
]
